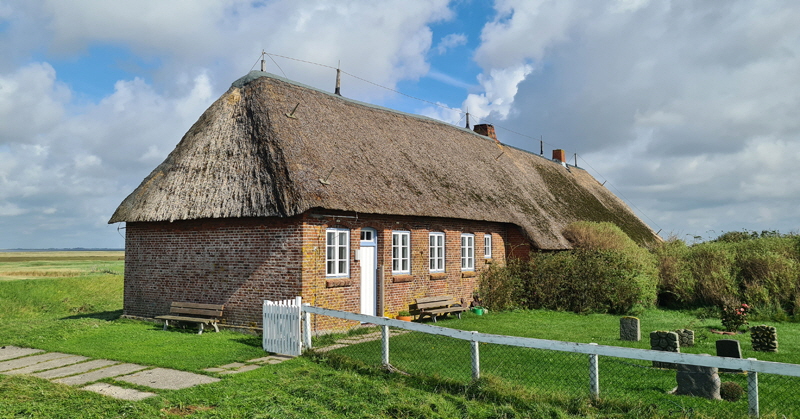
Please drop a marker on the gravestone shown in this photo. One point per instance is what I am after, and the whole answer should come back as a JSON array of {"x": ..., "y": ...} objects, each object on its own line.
[
  {"x": 729, "y": 348},
  {"x": 629, "y": 329},
  {"x": 686, "y": 337},
  {"x": 694, "y": 380},
  {"x": 664, "y": 341},
  {"x": 764, "y": 338}
]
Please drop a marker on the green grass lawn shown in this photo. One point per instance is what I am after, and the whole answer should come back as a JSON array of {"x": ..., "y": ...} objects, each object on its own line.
[
  {"x": 80, "y": 314},
  {"x": 566, "y": 374}
]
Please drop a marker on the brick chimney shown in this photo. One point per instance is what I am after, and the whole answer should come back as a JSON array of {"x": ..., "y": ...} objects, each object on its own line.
[
  {"x": 486, "y": 130},
  {"x": 560, "y": 155}
]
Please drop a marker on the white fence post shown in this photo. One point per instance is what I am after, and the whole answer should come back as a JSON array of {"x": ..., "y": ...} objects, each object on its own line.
[
  {"x": 476, "y": 357},
  {"x": 306, "y": 317},
  {"x": 594, "y": 375},
  {"x": 752, "y": 392},
  {"x": 385, "y": 345}
]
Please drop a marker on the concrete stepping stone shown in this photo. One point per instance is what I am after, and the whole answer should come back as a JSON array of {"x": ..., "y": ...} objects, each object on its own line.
[
  {"x": 47, "y": 365},
  {"x": 30, "y": 360},
  {"x": 11, "y": 352},
  {"x": 167, "y": 379},
  {"x": 75, "y": 369},
  {"x": 262, "y": 360},
  {"x": 118, "y": 392},
  {"x": 244, "y": 368},
  {"x": 232, "y": 366},
  {"x": 272, "y": 359},
  {"x": 108, "y": 372}
]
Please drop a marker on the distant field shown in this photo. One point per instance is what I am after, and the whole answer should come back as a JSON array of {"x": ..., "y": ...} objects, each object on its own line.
[{"x": 57, "y": 264}]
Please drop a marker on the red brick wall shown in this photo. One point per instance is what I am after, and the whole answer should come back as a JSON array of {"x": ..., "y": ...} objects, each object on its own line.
[
  {"x": 399, "y": 291},
  {"x": 241, "y": 262},
  {"x": 236, "y": 262}
]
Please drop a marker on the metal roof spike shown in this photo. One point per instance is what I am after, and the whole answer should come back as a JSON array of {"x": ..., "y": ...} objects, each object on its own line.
[{"x": 291, "y": 115}]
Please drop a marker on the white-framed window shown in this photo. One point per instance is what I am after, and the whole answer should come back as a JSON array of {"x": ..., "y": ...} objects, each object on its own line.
[
  {"x": 467, "y": 252},
  {"x": 337, "y": 252},
  {"x": 401, "y": 252},
  {"x": 487, "y": 246},
  {"x": 436, "y": 252}
]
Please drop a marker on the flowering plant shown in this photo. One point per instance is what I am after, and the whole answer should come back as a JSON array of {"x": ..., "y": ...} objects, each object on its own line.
[{"x": 733, "y": 317}]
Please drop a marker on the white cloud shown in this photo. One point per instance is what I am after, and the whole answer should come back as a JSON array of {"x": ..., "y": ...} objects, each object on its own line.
[
  {"x": 31, "y": 101},
  {"x": 499, "y": 90},
  {"x": 450, "y": 41},
  {"x": 81, "y": 159},
  {"x": 689, "y": 108},
  {"x": 10, "y": 210},
  {"x": 383, "y": 42}
]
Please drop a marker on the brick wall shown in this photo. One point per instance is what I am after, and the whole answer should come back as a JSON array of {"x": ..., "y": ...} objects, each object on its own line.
[
  {"x": 241, "y": 262},
  {"x": 236, "y": 262},
  {"x": 398, "y": 290}
]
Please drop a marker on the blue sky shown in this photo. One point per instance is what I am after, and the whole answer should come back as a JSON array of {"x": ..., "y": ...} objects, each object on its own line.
[{"x": 687, "y": 110}]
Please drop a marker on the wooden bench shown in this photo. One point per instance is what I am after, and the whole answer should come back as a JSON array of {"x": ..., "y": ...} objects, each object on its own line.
[
  {"x": 194, "y": 313},
  {"x": 436, "y": 306}
]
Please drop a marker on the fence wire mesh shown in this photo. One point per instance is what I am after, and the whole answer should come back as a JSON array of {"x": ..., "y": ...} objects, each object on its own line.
[{"x": 562, "y": 375}]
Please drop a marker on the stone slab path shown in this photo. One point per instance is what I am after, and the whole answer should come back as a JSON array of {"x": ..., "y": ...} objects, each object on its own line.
[{"x": 79, "y": 371}]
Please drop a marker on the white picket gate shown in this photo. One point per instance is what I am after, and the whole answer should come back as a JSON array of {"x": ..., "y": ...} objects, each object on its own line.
[{"x": 281, "y": 327}]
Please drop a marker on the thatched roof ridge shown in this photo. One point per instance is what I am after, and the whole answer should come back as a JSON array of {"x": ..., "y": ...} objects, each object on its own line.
[{"x": 245, "y": 157}]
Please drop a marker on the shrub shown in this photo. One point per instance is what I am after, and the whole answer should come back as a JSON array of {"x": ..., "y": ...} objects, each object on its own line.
[
  {"x": 676, "y": 285},
  {"x": 734, "y": 316},
  {"x": 499, "y": 287},
  {"x": 712, "y": 268},
  {"x": 606, "y": 273},
  {"x": 585, "y": 281},
  {"x": 731, "y": 391}
]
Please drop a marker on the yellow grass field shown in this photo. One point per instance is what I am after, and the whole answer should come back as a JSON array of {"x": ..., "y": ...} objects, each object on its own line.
[{"x": 29, "y": 265}]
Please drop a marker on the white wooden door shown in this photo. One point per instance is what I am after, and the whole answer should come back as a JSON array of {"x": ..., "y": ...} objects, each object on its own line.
[
  {"x": 368, "y": 280},
  {"x": 367, "y": 260}
]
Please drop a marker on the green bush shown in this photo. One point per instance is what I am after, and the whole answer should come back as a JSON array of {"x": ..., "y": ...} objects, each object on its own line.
[
  {"x": 676, "y": 285},
  {"x": 712, "y": 268},
  {"x": 731, "y": 391},
  {"x": 760, "y": 269},
  {"x": 606, "y": 273},
  {"x": 499, "y": 286},
  {"x": 733, "y": 316},
  {"x": 597, "y": 281}
]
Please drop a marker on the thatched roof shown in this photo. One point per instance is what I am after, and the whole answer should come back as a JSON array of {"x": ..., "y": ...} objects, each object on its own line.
[{"x": 245, "y": 157}]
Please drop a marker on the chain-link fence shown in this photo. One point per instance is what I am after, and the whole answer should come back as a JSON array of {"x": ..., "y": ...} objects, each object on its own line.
[{"x": 564, "y": 370}]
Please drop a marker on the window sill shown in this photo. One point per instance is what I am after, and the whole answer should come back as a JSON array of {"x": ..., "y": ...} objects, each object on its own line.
[
  {"x": 336, "y": 283},
  {"x": 402, "y": 278},
  {"x": 469, "y": 274},
  {"x": 438, "y": 276}
]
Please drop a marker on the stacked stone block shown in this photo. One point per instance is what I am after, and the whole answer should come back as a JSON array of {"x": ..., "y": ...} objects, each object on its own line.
[
  {"x": 664, "y": 341},
  {"x": 686, "y": 337},
  {"x": 764, "y": 338}
]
